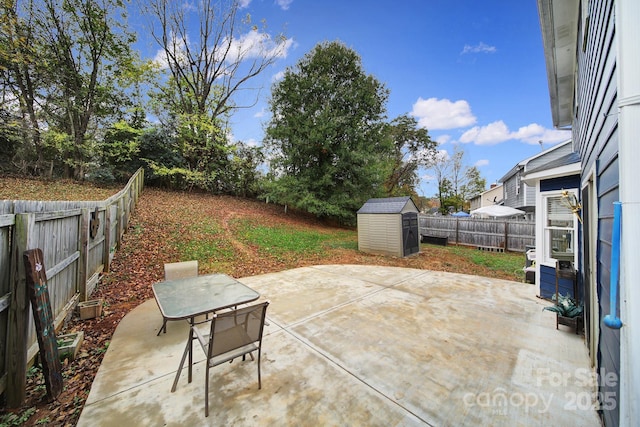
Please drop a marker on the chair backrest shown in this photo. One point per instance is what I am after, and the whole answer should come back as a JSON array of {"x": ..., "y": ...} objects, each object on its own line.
[
  {"x": 234, "y": 329},
  {"x": 180, "y": 270}
]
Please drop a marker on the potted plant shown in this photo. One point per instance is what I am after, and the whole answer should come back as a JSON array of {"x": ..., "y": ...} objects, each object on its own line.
[{"x": 568, "y": 310}]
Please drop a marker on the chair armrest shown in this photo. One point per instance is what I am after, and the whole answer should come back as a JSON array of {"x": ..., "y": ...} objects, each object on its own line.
[{"x": 202, "y": 339}]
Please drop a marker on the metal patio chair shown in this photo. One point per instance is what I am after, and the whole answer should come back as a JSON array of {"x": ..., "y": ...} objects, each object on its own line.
[
  {"x": 174, "y": 271},
  {"x": 232, "y": 334}
]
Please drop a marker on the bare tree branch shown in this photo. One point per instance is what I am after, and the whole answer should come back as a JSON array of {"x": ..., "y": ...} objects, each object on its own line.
[{"x": 210, "y": 65}]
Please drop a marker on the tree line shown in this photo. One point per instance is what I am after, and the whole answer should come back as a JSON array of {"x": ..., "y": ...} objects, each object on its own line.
[{"x": 78, "y": 101}]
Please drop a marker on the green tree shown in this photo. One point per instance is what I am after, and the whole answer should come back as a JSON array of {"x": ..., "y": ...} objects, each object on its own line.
[
  {"x": 412, "y": 148},
  {"x": 65, "y": 62},
  {"x": 326, "y": 134},
  {"x": 473, "y": 185},
  {"x": 209, "y": 55},
  {"x": 457, "y": 182},
  {"x": 120, "y": 146},
  {"x": 21, "y": 77},
  {"x": 244, "y": 165},
  {"x": 89, "y": 47}
]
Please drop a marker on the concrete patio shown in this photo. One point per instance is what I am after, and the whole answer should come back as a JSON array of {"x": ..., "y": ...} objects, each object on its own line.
[{"x": 360, "y": 345}]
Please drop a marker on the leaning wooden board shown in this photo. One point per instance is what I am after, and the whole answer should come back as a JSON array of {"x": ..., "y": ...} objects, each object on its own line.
[{"x": 39, "y": 296}]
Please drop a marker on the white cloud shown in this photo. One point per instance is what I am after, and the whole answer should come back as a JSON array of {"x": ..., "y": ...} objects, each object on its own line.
[
  {"x": 251, "y": 142},
  {"x": 442, "y": 155},
  {"x": 244, "y": 4},
  {"x": 479, "y": 48},
  {"x": 482, "y": 162},
  {"x": 491, "y": 134},
  {"x": 260, "y": 114},
  {"x": 255, "y": 44},
  {"x": 436, "y": 113},
  {"x": 497, "y": 132},
  {"x": 277, "y": 76},
  {"x": 190, "y": 6},
  {"x": 534, "y": 133},
  {"x": 161, "y": 59},
  {"x": 529, "y": 131},
  {"x": 251, "y": 45},
  {"x": 284, "y": 4},
  {"x": 443, "y": 139},
  {"x": 179, "y": 53}
]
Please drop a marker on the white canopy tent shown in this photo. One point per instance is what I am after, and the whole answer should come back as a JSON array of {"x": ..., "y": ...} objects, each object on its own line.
[{"x": 496, "y": 211}]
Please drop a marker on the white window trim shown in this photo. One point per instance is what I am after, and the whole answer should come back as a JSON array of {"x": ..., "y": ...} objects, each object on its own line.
[{"x": 544, "y": 238}]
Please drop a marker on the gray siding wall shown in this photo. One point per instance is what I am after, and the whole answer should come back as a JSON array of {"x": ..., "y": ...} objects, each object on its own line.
[
  {"x": 526, "y": 196},
  {"x": 512, "y": 197},
  {"x": 529, "y": 195},
  {"x": 596, "y": 138}
]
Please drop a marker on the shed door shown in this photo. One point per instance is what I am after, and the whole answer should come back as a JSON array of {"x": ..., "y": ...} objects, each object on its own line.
[{"x": 410, "y": 235}]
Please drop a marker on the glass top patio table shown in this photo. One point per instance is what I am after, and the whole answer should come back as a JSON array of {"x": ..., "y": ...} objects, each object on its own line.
[{"x": 191, "y": 297}]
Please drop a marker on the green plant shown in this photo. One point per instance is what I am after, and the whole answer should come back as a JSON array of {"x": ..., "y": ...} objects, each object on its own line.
[
  {"x": 104, "y": 348},
  {"x": 566, "y": 306},
  {"x": 20, "y": 418}
]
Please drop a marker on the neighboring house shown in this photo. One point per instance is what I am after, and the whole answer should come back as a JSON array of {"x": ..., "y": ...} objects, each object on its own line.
[
  {"x": 515, "y": 192},
  {"x": 556, "y": 225},
  {"x": 593, "y": 66},
  {"x": 493, "y": 196}
]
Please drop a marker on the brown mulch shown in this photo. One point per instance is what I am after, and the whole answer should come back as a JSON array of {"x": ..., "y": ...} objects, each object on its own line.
[{"x": 151, "y": 240}]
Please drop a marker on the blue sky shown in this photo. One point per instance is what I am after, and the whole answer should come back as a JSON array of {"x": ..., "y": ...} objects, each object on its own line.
[{"x": 472, "y": 72}]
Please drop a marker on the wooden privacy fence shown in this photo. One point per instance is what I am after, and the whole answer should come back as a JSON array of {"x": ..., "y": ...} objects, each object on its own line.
[
  {"x": 492, "y": 234},
  {"x": 78, "y": 241}
]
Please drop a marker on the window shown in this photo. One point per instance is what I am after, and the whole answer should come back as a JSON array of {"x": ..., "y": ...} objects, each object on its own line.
[{"x": 559, "y": 230}]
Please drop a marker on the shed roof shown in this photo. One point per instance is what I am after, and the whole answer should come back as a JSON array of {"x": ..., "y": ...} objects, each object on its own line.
[{"x": 386, "y": 205}]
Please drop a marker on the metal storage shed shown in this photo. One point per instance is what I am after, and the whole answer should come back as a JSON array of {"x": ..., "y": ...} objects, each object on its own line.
[{"x": 389, "y": 226}]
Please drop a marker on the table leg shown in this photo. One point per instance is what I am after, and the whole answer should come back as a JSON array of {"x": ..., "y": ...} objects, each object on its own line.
[
  {"x": 191, "y": 323},
  {"x": 184, "y": 356}
]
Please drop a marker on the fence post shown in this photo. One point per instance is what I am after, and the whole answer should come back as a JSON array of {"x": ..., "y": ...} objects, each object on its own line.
[
  {"x": 120, "y": 219},
  {"x": 18, "y": 320},
  {"x": 83, "y": 260},
  {"x": 457, "y": 225},
  {"x": 506, "y": 235},
  {"x": 106, "y": 253}
]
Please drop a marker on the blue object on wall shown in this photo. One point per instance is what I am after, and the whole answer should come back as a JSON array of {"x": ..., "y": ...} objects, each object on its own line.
[{"x": 611, "y": 320}]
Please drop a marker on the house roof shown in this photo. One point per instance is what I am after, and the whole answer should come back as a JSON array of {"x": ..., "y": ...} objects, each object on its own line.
[
  {"x": 523, "y": 164},
  {"x": 562, "y": 166},
  {"x": 559, "y": 24},
  {"x": 386, "y": 205},
  {"x": 561, "y": 161}
]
